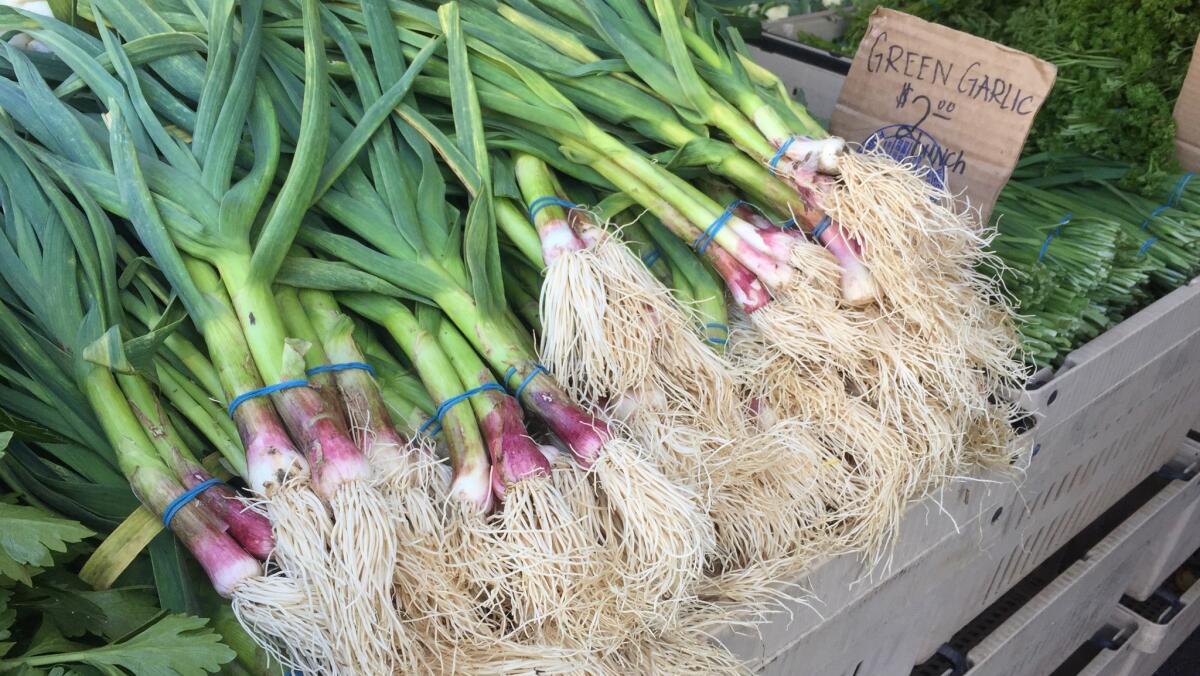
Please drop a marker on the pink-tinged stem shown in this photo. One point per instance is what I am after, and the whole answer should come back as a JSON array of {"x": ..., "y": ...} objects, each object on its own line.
[
  {"x": 376, "y": 429},
  {"x": 773, "y": 272},
  {"x": 155, "y": 487},
  {"x": 271, "y": 457},
  {"x": 538, "y": 186},
  {"x": 251, "y": 529},
  {"x": 556, "y": 235},
  {"x": 755, "y": 406},
  {"x": 582, "y": 432},
  {"x": 373, "y": 424},
  {"x": 779, "y": 240},
  {"x": 513, "y": 453},
  {"x": 771, "y": 240},
  {"x": 504, "y": 351},
  {"x": 746, "y": 213},
  {"x": 583, "y": 223},
  {"x": 747, "y": 291},
  {"x": 858, "y": 287},
  {"x": 515, "y": 456},
  {"x": 333, "y": 459},
  {"x": 468, "y": 452},
  {"x": 222, "y": 558}
]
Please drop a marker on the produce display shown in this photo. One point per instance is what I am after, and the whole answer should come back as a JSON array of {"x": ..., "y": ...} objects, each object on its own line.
[
  {"x": 1085, "y": 241},
  {"x": 471, "y": 337},
  {"x": 1080, "y": 254},
  {"x": 1120, "y": 66}
]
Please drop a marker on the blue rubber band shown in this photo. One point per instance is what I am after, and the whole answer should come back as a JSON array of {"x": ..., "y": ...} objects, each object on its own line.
[
  {"x": 549, "y": 201},
  {"x": 717, "y": 340},
  {"x": 1146, "y": 246},
  {"x": 1057, "y": 231},
  {"x": 789, "y": 223},
  {"x": 512, "y": 370},
  {"x": 1154, "y": 214},
  {"x": 707, "y": 236},
  {"x": 651, "y": 257},
  {"x": 1177, "y": 193},
  {"x": 822, "y": 226},
  {"x": 1046, "y": 244},
  {"x": 782, "y": 149},
  {"x": 263, "y": 391},
  {"x": 186, "y": 497},
  {"x": 444, "y": 407},
  {"x": 344, "y": 366}
]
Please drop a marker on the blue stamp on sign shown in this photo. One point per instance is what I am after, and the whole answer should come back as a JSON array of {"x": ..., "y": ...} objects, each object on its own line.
[{"x": 915, "y": 147}]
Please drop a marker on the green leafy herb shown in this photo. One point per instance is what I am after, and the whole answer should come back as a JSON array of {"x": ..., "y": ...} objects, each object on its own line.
[
  {"x": 176, "y": 645},
  {"x": 29, "y": 536}
]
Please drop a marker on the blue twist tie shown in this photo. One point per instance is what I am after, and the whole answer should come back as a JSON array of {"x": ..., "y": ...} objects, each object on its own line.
[
  {"x": 1177, "y": 193},
  {"x": 549, "y": 201},
  {"x": 789, "y": 223},
  {"x": 1146, "y": 246},
  {"x": 186, "y": 497},
  {"x": 707, "y": 236},
  {"x": 512, "y": 370},
  {"x": 444, "y": 407},
  {"x": 822, "y": 226},
  {"x": 717, "y": 326},
  {"x": 344, "y": 366},
  {"x": 1154, "y": 214},
  {"x": 1054, "y": 233},
  {"x": 651, "y": 257},
  {"x": 263, "y": 391},
  {"x": 782, "y": 149}
]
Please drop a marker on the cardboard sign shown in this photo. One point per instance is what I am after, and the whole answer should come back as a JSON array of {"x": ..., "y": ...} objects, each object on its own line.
[
  {"x": 1187, "y": 116},
  {"x": 952, "y": 102}
]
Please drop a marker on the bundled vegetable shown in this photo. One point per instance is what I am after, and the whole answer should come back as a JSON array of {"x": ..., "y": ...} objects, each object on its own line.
[
  {"x": 381, "y": 233},
  {"x": 1080, "y": 254}
]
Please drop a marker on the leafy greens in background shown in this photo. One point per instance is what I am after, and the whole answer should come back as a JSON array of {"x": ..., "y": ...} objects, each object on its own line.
[{"x": 1120, "y": 68}]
